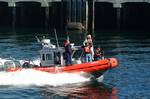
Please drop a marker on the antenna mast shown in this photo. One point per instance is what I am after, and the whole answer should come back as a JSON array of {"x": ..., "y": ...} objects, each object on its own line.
[{"x": 56, "y": 38}]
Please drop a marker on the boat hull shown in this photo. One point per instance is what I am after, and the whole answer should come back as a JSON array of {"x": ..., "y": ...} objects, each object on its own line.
[{"x": 96, "y": 68}]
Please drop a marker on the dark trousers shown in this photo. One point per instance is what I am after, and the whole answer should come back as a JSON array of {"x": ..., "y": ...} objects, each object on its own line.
[{"x": 68, "y": 60}]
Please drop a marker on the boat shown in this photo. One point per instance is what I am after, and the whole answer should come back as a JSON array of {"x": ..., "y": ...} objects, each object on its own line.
[{"x": 52, "y": 61}]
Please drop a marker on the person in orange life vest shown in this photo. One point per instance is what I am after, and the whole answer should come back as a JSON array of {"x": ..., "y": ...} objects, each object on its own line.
[
  {"x": 68, "y": 53},
  {"x": 87, "y": 52},
  {"x": 98, "y": 54},
  {"x": 89, "y": 40}
]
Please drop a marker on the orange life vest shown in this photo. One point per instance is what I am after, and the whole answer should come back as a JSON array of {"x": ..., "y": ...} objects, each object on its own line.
[{"x": 87, "y": 49}]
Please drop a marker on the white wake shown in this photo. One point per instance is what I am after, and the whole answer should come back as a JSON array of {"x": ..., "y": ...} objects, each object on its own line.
[{"x": 38, "y": 78}]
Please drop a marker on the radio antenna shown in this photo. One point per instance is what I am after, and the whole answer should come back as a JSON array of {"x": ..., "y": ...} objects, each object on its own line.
[{"x": 56, "y": 38}]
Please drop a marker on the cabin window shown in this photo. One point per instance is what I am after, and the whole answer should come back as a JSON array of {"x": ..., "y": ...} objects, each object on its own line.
[
  {"x": 43, "y": 57},
  {"x": 48, "y": 56}
]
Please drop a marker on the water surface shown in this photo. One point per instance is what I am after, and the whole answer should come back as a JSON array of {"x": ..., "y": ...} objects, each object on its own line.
[{"x": 128, "y": 81}]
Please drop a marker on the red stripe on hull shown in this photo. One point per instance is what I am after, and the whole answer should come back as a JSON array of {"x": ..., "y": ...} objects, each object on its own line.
[{"x": 85, "y": 67}]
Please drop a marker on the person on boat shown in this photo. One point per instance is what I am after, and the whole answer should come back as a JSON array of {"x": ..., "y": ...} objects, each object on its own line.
[
  {"x": 98, "y": 54},
  {"x": 89, "y": 40},
  {"x": 68, "y": 53},
  {"x": 87, "y": 52}
]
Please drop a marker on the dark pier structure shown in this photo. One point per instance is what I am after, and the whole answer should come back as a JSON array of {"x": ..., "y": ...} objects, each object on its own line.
[{"x": 87, "y": 15}]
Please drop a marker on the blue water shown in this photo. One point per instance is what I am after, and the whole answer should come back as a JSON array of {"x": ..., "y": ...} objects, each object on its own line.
[{"x": 130, "y": 80}]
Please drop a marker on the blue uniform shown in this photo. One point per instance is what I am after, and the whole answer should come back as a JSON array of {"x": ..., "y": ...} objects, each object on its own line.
[{"x": 68, "y": 52}]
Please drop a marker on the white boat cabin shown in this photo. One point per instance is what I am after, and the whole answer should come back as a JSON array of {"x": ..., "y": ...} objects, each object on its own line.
[{"x": 51, "y": 55}]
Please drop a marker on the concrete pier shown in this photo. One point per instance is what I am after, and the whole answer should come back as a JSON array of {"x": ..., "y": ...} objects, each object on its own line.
[
  {"x": 92, "y": 14},
  {"x": 44, "y": 3}
]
